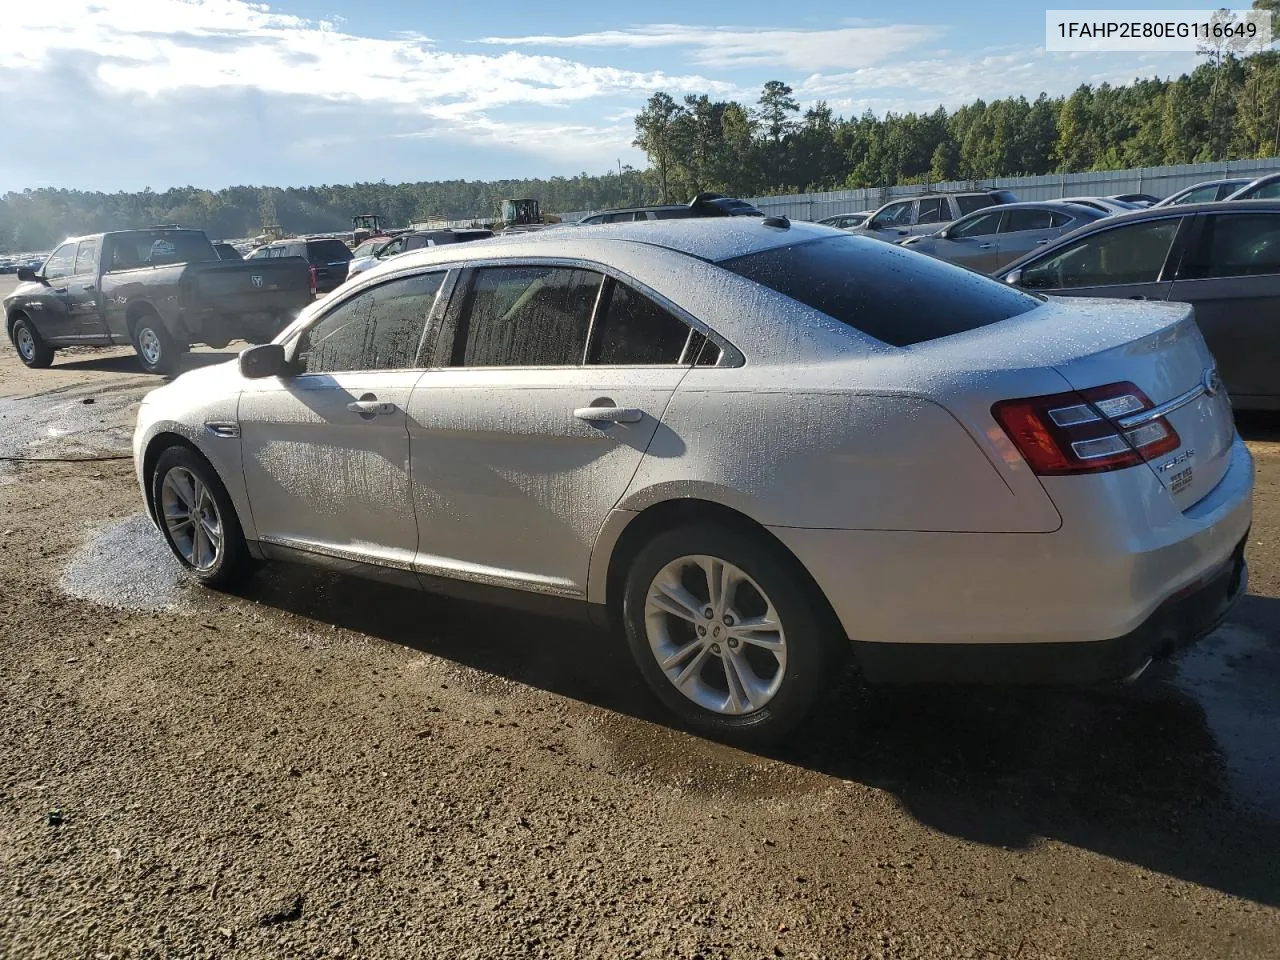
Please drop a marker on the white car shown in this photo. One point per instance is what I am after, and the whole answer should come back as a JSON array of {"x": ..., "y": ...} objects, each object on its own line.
[{"x": 756, "y": 447}]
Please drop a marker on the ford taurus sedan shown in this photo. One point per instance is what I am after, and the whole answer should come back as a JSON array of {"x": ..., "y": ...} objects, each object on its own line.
[
  {"x": 756, "y": 448},
  {"x": 985, "y": 240}
]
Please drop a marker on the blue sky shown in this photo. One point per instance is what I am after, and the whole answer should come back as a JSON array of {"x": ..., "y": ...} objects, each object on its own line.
[{"x": 124, "y": 94}]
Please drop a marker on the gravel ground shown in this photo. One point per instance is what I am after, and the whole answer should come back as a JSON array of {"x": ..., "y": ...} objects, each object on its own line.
[{"x": 322, "y": 767}]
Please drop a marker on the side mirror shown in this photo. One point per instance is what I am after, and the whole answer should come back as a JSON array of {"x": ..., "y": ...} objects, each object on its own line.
[
  {"x": 944, "y": 233},
  {"x": 264, "y": 360},
  {"x": 902, "y": 233},
  {"x": 28, "y": 275},
  {"x": 1014, "y": 277}
]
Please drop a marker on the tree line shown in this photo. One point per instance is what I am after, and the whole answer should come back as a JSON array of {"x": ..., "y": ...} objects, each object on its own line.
[{"x": 1227, "y": 108}]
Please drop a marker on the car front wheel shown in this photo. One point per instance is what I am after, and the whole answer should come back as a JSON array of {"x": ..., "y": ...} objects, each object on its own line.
[
  {"x": 197, "y": 518},
  {"x": 730, "y": 633},
  {"x": 32, "y": 350}
]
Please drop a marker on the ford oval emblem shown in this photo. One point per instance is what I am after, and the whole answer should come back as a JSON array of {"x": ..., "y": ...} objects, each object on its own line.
[
  {"x": 256, "y": 280},
  {"x": 1212, "y": 382}
]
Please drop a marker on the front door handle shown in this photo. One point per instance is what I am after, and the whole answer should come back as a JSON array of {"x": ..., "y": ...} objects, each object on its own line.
[
  {"x": 985, "y": 246},
  {"x": 88, "y": 287},
  {"x": 609, "y": 414},
  {"x": 371, "y": 408},
  {"x": 1041, "y": 243}
]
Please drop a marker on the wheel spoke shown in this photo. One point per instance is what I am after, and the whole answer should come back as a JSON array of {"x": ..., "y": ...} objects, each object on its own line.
[
  {"x": 690, "y": 672},
  {"x": 764, "y": 632},
  {"x": 674, "y": 599},
  {"x": 740, "y": 678},
  {"x": 681, "y": 655},
  {"x": 713, "y": 570}
]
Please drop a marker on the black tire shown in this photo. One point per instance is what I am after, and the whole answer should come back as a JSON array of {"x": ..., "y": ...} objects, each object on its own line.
[
  {"x": 32, "y": 350},
  {"x": 233, "y": 560},
  {"x": 816, "y": 648},
  {"x": 161, "y": 354},
  {"x": 216, "y": 343}
]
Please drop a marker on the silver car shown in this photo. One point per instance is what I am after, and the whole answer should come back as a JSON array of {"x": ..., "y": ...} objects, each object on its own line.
[
  {"x": 927, "y": 213},
  {"x": 1206, "y": 192},
  {"x": 757, "y": 448},
  {"x": 986, "y": 240}
]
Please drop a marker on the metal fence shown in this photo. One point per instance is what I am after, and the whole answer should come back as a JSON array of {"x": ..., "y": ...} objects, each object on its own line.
[{"x": 1159, "y": 181}]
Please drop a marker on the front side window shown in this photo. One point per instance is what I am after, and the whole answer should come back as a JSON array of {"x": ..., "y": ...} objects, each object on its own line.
[
  {"x": 391, "y": 249},
  {"x": 87, "y": 256},
  {"x": 979, "y": 226},
  {"x": 1134, "y": 253},
  {"x": 1268, "y": 191},
  {"x": 380, "y": 329},
  {"x": 896, "y": 214},
  {"x": 933, "y": 210},
  {"x": 61, "y": 263},
  {"x": 632, "y": 329},
  {"x": 1236, "y": 245},
  {"x": 1202, "y": 195},
  {"x": 526, "y": 316}
]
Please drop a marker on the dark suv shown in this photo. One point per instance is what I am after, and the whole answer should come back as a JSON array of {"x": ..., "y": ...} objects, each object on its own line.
[
  {"x": 328, "y": 259},
  {"x": 703, "y": 205}
]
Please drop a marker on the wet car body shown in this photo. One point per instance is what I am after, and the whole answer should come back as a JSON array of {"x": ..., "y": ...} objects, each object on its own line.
[{"x": 729, "y": 432}]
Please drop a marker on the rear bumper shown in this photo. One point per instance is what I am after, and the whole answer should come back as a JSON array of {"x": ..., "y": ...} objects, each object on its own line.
[{"x": 1177, "y": 623}]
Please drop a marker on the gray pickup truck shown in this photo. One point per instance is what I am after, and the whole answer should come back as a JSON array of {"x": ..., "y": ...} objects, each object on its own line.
[{"x": 161, "y": 290}]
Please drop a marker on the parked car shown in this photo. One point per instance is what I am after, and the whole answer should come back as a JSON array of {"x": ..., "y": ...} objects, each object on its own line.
[
  {"x": 326, "y": 257},
  {"x": 745, "y": 442},
  {"x": 161, "y": 290},
  {"x": 845, "y": 221},
  {"x": 1263, "y": 188},
  {"x": 1222, "y": 258},
  {"x": 226, "y": 251},
  {"x": 1206, "y": 192},
  {"x": 1106, "y": 205},
  {"x": 927, "y": 213},
  {"x": 703, "y": 205},
  {"x": 406, "y": 242},
  {"x": 985, "y": 240}
]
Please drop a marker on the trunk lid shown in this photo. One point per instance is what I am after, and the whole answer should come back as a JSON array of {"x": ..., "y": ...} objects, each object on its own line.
[{"x": 1095, "y": 342}]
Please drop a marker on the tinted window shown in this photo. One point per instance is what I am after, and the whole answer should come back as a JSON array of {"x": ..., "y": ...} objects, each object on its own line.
[
  {"x": 933, "y": 210},
  {"x": 632, "y": 329},
  {"x": 1268, "y": 191},
  {"x": 378, "y": 330},
  {"x": 327, "y": 251},
  {"x": 677, "y": 213},
  {"x": 1130, "y": 254},
  {"x": 526, "y": 317},
  {"x": 147, "y": 248},
  {"x": 1057, "y": 220},
  {"x": 894, "y": 215},
  {"x": 1204, "y": 194},
  {"x": 1015, "y": 220},
  {"x": 392, "y": 248},
  {"x": 1236, "y": 245},
  {"x": 883, "y": 290},
  {"x": 61, "y": 262},
  {"x": 368, "y": 248},
  {"x": 971, "y": 202},
  {"x": 979, "y": 226},
  {"x": 1227, "y": 189},
  {"x": 87, "y": 256}
]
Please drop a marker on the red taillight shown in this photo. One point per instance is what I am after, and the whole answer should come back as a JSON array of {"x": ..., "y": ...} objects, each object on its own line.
[
  {"x": 1077, "y": 431},
  {"x": 311, "y": 271}
]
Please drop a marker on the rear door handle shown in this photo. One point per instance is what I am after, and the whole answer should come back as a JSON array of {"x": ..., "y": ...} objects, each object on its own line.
[
  {"x": 1041, "y": 243},
  {"x": 985, "y": 246},
  {"x": 371, "y": 408},
  {"x": 609, "y": 414}
]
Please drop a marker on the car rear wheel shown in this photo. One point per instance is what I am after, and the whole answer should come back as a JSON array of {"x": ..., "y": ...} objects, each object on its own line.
[
  {"x": 730, "y": 633},
  {"x": 157, "y": 350},
  {"x": 197, "y": 518},
  {"x": 32, "y": 351}
]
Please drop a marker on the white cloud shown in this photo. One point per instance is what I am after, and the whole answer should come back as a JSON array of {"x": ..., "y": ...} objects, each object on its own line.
[{"x": 840, "y": 48}]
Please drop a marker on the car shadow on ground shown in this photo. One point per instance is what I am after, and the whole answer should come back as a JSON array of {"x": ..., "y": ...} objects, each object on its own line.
[
  {"x": 1134, "y": 773},
  {"x": 1258, "y": 425},
  {"x": 129, "y": 363}
]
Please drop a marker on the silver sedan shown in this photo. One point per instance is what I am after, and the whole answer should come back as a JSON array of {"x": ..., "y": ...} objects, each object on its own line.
[
  {"x": 756, "y": 448},
  {"x": 988, "y": 239}
]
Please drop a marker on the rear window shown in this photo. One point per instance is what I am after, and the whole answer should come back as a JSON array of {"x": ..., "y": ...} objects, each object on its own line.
[
  {"x": 881, "y": 289},
  {"x": 975, "y": 201},
  {"x": 152, "y": 248},
  {"x": 327, "y": 251}
]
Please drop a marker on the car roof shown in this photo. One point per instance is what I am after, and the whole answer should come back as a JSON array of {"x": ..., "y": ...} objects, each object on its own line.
[
  {"x": 707, "y": 238},
  {"x": 655, "y": 206}
]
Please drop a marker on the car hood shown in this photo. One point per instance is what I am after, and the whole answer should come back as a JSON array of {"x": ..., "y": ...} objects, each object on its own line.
[{"x": 207, "y": 382}]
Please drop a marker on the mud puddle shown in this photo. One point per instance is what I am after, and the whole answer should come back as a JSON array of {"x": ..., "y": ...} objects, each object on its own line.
[
  {"x": 127, "y": 566},
  {"x": 69, "y": 424}
]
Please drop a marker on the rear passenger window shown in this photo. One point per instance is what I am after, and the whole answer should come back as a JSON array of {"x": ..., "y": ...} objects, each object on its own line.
[
  {"x": 971, "y": 202},
  {"x": 933, "y": 210},
  {"x": 378, "y": 330},
  {"x": 526, "y": 317},
  {"x": 633, "y": 330},
  {"x": 1015, "y": 220},
  {"x": 1236, "y": 245},
  {"x": 1057, "y": 220}
]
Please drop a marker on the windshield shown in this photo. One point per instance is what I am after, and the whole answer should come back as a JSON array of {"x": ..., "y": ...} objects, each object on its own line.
[
  {"x": 882, "y": 290},
  {"x": 154, "y": 248}
]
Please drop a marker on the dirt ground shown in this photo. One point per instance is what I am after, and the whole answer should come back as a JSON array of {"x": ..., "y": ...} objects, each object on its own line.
[{"x": 323, "y": 767}]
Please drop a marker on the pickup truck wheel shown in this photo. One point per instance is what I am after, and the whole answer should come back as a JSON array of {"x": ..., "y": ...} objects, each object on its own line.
[
  {"x": 32, "y": 351},
  {"x": 156, "y": 350}
]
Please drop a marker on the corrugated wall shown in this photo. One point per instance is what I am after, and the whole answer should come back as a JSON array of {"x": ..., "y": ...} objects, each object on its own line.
[{"x": 1158, "y": 181}]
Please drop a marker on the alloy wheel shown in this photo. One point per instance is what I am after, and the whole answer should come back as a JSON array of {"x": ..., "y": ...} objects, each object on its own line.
[
  {"x": 715, "y": 635},
  {"x": 191, "y": 516}
]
